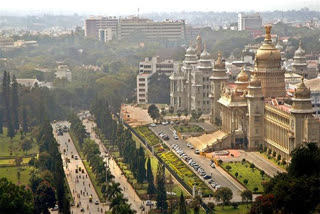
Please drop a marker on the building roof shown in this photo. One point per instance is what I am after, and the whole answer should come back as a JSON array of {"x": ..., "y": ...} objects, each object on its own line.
[
  {"x": 313, "y": 84},
  {"x": 27, "y": 82}
]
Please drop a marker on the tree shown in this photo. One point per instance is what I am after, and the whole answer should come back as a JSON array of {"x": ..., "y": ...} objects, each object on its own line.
[
  {"x": 153, "y": 111},
  {"x": 26, "y": 145},
  {"x": 246, "y": 196},
  {"x": 186, "y": 113},
  {"x": 195, "y": 204},
  {"x": 163, "y": 112},
  {"x": 24, "y": 120},
  {"x": 262, "y": 173},
  {"x": 228, "y": 167},
  {"x": 234, "y": 205},
  {"x": 11, "y": 131},
  {"x": 236, "y": 174},
  {"x": 14, "y": 198},
  {"x": 161, "y": 189},
  {"x": 179, "y": 113},
  {"x": 171, "y": 109},
  {"x": 113, "y": 190},
  {"x": 182, "y": 205},
  {"x": 224, "y": 194},
  {"x": 211, "y": 206},
  {"x": 141, "y": 173},
  {"x": 116, "y": 203},
  {"x": 255, "y": 189},
  {"x": 44, "y": 198},
  {"x": 151, "y": 188},
  {"x": 263, "y": 205},
  {"x": 14, "y": 103}
]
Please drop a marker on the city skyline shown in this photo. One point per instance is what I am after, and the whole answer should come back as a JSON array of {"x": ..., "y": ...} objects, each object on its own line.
[{"x": 142, "y": 6}]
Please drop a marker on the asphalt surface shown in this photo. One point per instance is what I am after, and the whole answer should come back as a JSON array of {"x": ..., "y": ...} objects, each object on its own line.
[
  {"x": 221, "y": 178},
  {"x": 79, "y": 183},
  {"x": 128, "y": 190}
]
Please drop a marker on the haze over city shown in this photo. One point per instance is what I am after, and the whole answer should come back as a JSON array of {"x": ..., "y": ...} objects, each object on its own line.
[{"x": 126, "y": 7}]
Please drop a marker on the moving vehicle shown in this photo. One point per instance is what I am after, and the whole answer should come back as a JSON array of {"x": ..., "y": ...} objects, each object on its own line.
[
  {"x": 90, "y": 199},
  {"x": 175, "y": 137},
  {"x": 76, "y": 157}
]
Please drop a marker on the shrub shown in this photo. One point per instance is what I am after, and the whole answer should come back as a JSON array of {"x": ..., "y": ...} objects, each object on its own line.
[
  {"x": 243, "y": 160},
  {"x": 245, "y": 181},
  {"x": 278, "y": 157},
  {"x": 228, "y": 167},
  {"x": 211, "y": 205},
  {"x": 252, "y": 166},
  {"x": 274, "y": 154},
  {"x": 255, "y": 189},
  {"x": 236, "y": 174},
  {"x": 265, "y": 149},
  {"x": 220, "y": 162},
  {"x": 235, "y": 205},
  {"x": 269, "y": 152},
  {"x": 283, "y": 162}
]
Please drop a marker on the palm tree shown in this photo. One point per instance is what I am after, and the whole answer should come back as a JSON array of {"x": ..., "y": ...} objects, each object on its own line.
[
  {"x": 116, "y": 203},
  {"x": 125, "y": 209},
  {"x": 112, "y": 190}
]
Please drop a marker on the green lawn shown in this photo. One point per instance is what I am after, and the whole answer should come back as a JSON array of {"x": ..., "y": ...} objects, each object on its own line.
[
  {"x": 11, "y": 174},
  {"x": 188, "y": 128},
  {"x": 12, "y": 161},
  {"x": 184, "y": 172},
  {"x": 273, "y": 160},
  {"x": 242, "y": 209},
  {"x": 12, "y": 148},
  {"x": 245, "y": 172}
]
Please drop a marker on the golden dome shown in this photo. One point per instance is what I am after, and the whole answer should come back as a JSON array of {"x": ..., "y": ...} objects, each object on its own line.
[
  {"x": 219, "y": 64},
  {"x": 255, "y": 82},
  {"x": 242, "y": 76},
  {"x": 302, "y": 92},
  {"x": 268, "y": 51}
]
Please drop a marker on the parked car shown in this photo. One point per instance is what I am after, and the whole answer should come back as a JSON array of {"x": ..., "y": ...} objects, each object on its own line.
[
  {"x": 153, "y": 125},
  {"x": 197, "y": 151},
  {"x": 76, "y": 157},
  {"x": 176, "y": 137},
  {"x": 55, "y": 208},
  {"x": 165, "y": 123},
  {"x": 96, "y": 202},
  {"x": 149, "y": 203},
  {"x": 207, "y": 177},
  {"x": 213, "y": 165}
]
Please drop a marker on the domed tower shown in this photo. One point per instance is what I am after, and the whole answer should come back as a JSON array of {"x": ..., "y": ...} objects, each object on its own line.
[
  {"x": 198, "y": 45},
  {"x": 202, "y": 75},
  {"x": 255, "y": 102},
  {"x": 299, "y": 65},
  {"x": 218, "y": 78},
  {"x": 301, "y": 102},
  {"x": 242, "y": 81},
  {"x": 268, "y": 68},
  {"x": 303, "y": 122},
  {"x": 191, "y": 56}
]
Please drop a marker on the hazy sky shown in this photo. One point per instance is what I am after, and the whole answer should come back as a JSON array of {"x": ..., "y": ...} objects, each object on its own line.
[{"x": 116, "y": 7}]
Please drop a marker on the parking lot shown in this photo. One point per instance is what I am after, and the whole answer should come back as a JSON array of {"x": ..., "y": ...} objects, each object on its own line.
[{"x": 200, "y": 165}]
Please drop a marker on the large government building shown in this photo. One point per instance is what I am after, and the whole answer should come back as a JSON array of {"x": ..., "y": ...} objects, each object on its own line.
[{"x": 255, "y": 110}]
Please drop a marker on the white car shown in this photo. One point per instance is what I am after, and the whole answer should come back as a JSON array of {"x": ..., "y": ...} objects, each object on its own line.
[
  {"x": 197, "y": 151},
  {"x": 149, "y": 203},
  {"x": 165, "y": 123},
  {"x": 153, "y": 125}
]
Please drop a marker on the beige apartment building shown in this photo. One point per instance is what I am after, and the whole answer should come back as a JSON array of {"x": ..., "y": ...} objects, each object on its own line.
[{"x": 124, "y": 28}]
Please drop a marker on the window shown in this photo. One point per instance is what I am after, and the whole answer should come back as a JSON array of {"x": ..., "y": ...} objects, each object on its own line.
[
  {"x": 142, "y": 79},
  {"x": 256, "y": 119},
  {"x": 142, "y": 84},
  {"x": 204, "y": 94},
  {"x": 204, "y": 102},
  {"x": 257, "y": 131}
]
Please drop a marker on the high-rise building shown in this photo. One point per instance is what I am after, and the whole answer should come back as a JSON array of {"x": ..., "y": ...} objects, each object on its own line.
[
  {"x": 250, "y": 22},
  {"x": 94, "y": 24},
  {"x": 124, "y": 28}
]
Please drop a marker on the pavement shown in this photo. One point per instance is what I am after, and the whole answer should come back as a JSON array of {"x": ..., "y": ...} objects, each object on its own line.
[
  {"x": 128, "y": 190},
  {"x": 217, "y": 175},
  {"x": 79, "y": 183}
]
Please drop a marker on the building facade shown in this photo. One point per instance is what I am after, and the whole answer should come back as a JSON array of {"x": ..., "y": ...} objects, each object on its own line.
[
  {"x": 124, "y": 28},
  {"x": 255, "y": 111},
  {"x": 249, "y": 21},
  {"x": 147, "y": 69},
  {"x": 190, "y": 84}
]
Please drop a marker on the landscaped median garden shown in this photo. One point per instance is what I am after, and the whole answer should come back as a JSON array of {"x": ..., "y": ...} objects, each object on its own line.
[
  {"x": 184, "y": 172},
  {"x": 173, "y": 161},
  {"x": 247, "y": 174}
]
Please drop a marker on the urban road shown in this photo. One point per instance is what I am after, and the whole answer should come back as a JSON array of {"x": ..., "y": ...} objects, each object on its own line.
[
  {"x": 79, "y": 183},
  {"x": 128, "y": 190},
  {"x": 219, "y": 176}
]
